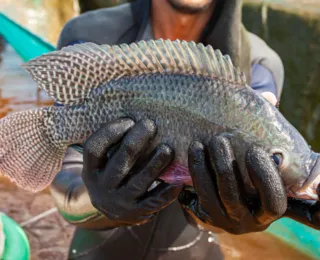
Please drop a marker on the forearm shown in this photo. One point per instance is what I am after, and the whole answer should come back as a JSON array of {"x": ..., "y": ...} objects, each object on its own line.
[{"x": 71, "y": 196}]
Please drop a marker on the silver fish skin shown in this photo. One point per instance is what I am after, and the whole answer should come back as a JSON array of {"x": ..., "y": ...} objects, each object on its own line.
[{"x": 191, "y": 92}]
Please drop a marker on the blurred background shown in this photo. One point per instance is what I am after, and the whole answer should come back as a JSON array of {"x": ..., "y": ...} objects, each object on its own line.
[{"x": 290, "y": 27}]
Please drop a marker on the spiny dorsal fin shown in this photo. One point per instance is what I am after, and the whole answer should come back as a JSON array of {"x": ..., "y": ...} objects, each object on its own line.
[{"x": 69, "y": 75}]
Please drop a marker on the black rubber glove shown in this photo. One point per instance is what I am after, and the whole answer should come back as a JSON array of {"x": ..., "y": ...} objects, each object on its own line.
[
  {"x": 305, "y": 212},
  {"x": 220, "y": 200},
  {"x": 117, "y": 186}
]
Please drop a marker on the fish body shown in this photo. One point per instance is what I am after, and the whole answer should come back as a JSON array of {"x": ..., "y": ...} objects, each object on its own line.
[{"x": 190, "y": 91}]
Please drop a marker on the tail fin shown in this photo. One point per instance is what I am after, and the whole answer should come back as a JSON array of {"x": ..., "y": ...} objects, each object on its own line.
[{"x": 27, "y": 156}]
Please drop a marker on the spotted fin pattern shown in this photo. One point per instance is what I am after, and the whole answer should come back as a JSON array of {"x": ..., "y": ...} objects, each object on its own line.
[{"x": 70, "y": 74}]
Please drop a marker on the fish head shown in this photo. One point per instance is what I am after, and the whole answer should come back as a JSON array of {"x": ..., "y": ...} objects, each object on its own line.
[
  {"x": 301, "y": 175},
  {"x": 299, "y": 167}
]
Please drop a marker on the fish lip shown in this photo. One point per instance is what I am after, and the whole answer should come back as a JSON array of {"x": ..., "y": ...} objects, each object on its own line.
[
  {"x": 315, "y": 172},
  {"x": 305, "y": 195}
]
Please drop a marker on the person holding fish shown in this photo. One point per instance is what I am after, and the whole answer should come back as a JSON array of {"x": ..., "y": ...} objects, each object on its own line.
[
  {"x": 119, "y": 188},
  {"x": 121, "y": 225}
]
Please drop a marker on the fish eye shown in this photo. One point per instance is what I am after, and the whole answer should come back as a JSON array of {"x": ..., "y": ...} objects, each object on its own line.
[{"x": 277, "y": 157}]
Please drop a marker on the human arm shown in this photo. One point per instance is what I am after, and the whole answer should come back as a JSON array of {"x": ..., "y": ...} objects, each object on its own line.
[
  {"x": 267, "y": 70},
  {"x": 70, "y": 194},
  {"x": 263, "y": 82}
]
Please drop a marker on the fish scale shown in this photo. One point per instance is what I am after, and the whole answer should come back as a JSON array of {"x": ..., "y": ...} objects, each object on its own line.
[{"x": 146, "y": 96}]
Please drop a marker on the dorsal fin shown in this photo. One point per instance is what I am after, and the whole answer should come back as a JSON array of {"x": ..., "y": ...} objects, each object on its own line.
[{"x": 69, "y": 75}]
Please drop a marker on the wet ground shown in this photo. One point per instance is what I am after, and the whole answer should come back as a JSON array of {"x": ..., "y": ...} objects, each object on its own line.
[{"x": 50, "y": 236}]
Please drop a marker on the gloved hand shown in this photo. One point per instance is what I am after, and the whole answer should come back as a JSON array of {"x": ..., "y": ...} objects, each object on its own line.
[
  {"x": 117, "y": 186},
  {"x": 220, "y": 200},
  {"x": 305, "y": 212}
]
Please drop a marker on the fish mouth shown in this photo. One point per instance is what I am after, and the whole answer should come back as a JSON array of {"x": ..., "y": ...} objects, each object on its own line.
[{"x": 308, "y": 190}]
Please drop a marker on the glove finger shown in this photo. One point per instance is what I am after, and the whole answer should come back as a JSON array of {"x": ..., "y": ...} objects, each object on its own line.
[
  {"x": 228, "y": 177},
  {"x": 141, "y": 181},
  {"x": 159, "y": 197},
  {"x": 203, "y": 181},
  {"x": 267, "y": 180},
  {"x": 129, "y": 151},
  {"x": 96, "y": 146}
]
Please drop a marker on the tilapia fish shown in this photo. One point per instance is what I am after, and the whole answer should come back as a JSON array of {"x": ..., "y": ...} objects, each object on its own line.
[{"x": 191, "y": 91}]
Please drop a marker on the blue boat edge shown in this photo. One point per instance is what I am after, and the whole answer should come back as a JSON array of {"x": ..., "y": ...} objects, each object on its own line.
[
  {"x": 297, "y": 235},
  {"x": 27, "y": 44}
]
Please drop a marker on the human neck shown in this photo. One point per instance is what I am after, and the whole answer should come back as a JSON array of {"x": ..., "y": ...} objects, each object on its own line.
[{"x": 172, "y": 25}]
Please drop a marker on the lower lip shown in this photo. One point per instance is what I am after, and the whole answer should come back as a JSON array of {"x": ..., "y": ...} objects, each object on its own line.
[
  {"x": 309, "y": 191},
  {"x": 304, "y": 195}
]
